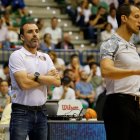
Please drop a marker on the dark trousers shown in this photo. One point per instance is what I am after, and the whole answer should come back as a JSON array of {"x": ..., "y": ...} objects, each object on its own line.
[
  {"x": 28, "y": 121},
  {"x": 121, "y": 116}
]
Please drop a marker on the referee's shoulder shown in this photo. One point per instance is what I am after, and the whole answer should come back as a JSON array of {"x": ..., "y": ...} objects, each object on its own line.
[
  {"x": 112, "y": 41},
  {"x": 105, "y": 43}
]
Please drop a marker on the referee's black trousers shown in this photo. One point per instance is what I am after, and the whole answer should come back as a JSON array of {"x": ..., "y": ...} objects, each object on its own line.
[{"x": 121, "y": 116}]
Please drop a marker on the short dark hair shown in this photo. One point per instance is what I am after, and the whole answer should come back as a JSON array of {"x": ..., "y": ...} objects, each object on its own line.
[
  {"x": 101, "y": 7},
  {"x": 5, "y": 65},
  {"x": 92, "y": 63},
  {"x": 124, "y": 9},
  {"x": 73, "y": 56},
  {"x": 90, "y": 57},
  {"x": 45, "y": 35},
  {"x": 65, "y": 80},
  {"x": 111, "y": 9},
  {"x": 54, "y": 18},
  {"x": 66, "y": 71},
  {"x": 21, "y": 28},
  {"x": 108, "y": 23}
]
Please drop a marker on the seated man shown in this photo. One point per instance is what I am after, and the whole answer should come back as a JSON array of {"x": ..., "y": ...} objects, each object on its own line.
[
  {"x": 65, "y": 43},
  {"x": 64, "y": 91},
  {"x": 85, "y": 91},
  {"x": 54, "y": 30}
]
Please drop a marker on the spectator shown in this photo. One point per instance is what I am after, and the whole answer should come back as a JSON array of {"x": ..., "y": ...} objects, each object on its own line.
[
  {"x": 111, "y": 3},
  {"x": 4, "y": 36},
  {"x": 58, "y": 62},
  {"x": 9, "y": 22},
  {"x": 96, "y": 24},
  {"x": 96, "y": 4},
  {"x": 71, "y": 9},
  {"x": 47, "y": 44},
  {"x": 20, "y": 6},
  {"x": 40, "y": 25},
  {"x": 4, "y": 97},
  {"x": 54, "y": 30},
  {"x": 13, "y": 5},
  {"x": 98, "y": 21},
  {"x": 6, "y": 4},
  {"x": 86, "y": 68},
  {"x": 12, "y": 29},
  {"x": 69, "y": 73},
  {"x": 107, "y": 33},
  {"x": 83, "y": 14},
  {"x": 75, "y": 66},
  {"x": 95, "y": 80},
  {"x": 85, "y": 91},
  {"x": 111, "y": 18},
  {"x": 65, "y": 43},
  {"x": 6, "y": 72},
  {"x": 64, "y": 91}
]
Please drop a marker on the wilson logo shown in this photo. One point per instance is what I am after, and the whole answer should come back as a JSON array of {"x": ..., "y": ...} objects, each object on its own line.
[{"x": 69, "y": 107}]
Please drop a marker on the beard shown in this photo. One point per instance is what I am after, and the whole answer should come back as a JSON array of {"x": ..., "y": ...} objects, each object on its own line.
[{"x": 33, "y": 44}]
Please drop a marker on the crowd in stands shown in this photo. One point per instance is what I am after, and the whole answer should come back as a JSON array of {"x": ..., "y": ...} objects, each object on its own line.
[
  {"x": 94, "y": 17},
  {"x": 13, "y": 13}
]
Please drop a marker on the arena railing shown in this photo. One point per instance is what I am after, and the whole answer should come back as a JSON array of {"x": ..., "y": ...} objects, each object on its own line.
[{"x": 64, "y": 54}]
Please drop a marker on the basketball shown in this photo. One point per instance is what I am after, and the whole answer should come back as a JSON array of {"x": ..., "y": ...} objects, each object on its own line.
[{"x": 90, "y": 114}]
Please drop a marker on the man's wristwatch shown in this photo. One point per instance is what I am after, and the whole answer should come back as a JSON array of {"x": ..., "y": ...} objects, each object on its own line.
[{"x": 36, "y": 74}]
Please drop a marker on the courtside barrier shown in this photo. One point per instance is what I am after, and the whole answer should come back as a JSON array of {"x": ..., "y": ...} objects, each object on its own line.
[{"x": 64, "y": 54}]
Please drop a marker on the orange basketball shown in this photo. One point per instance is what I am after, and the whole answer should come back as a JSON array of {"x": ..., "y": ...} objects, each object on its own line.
[{"x": 90, "y": 114}]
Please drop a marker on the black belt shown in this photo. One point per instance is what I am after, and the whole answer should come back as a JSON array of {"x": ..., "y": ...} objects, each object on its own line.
[
  {"x": 26, "y": 107},
  {"x": 127, "y": 96}
]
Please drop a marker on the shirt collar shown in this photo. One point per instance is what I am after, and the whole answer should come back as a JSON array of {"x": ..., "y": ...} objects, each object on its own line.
[
  {"x": 124, "y": 41},
  {"x": 25, "y": 51}
]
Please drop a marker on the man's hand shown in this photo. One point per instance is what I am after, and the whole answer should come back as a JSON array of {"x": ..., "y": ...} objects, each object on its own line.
[
  {"x": 54, "y": 73},
  {"x": 65, "y": 89}
]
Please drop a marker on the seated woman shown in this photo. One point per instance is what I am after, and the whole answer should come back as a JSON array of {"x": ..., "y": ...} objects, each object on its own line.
[
  {"x": 108, "y": 32},
  {"x": 47, "y": 44}
]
